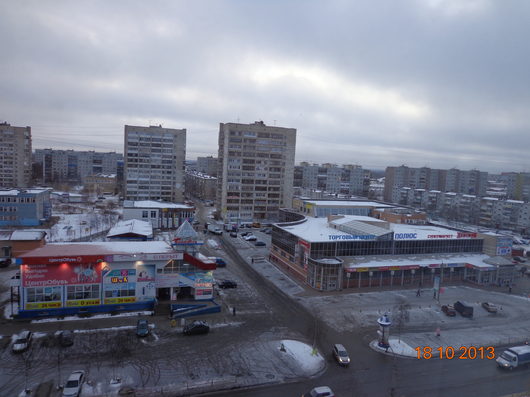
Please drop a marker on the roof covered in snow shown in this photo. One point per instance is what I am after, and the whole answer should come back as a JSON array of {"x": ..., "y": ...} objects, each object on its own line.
[
  {"x": 22, "y": 235},
  {"x": 132, "y": 226},
  {"x": 347, "y": 203},
  {"x": 153, "y": 204},
  {"x": 100, "y": 248}
]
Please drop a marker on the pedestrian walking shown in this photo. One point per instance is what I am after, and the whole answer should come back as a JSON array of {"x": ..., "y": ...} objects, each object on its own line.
[
  {"x": 438, "y": 331},
  {"x": 418, "y": 292},
  {"x": 510, "y": 289},
  {"x": 234, "y": 311}
]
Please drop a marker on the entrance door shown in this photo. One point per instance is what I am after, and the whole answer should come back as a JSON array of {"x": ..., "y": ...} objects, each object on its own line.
[{"x": 163, "y": 294}]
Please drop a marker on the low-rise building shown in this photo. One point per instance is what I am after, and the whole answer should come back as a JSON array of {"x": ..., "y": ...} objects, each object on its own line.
[
  {"x": 161, "y": 215},
  {"x": 24, "y": 207},
  {"x": 101, "y": 183},
  {"x": 359, "y": 251},
  {"x": 21, "y": 241},
  {"x": 200, "y": 185}
]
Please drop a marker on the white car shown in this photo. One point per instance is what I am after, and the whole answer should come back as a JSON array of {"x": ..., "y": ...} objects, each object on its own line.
[
  {"x": 73, "y": 385},
  {"x": 22, "y": 342},
  {"x": 250, "y": 237}
]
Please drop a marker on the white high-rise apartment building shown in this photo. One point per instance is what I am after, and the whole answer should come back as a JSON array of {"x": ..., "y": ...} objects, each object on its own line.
[
  {"x": 154, "y": 163},
  {"x": 15, "y": 156},
  {"x": 256, "y": 171}
]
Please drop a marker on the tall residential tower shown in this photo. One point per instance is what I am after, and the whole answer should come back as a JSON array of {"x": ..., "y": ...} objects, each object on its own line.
[
  {"x": 15, "y": 156},
  {"x": 256, "y": 171},
  {"x": 154, "y": 163}
]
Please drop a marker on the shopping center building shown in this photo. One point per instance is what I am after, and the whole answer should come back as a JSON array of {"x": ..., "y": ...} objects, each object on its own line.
[
  {"x": 73, "y": 278},
  {"x": 350, "y": 251}
]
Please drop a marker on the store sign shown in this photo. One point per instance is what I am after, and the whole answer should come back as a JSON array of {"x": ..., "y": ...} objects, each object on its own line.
[
  {"x": 44, "y": 275},
  {"x": 83, "y": 302},
  {"x": 43, "y": 305},
  {"x": 118, "y": 300},
  {"x": 466, "y": 235},
  {"x": 405, "y": 236},
  {"x": 144, "y": 257},
  {"x": 334, "y": 237}
]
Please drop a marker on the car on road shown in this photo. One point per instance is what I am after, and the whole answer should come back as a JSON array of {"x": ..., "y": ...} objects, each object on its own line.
[
  {"x": 233, "y": 234},
  {"x": 340, "y": 354},
  {"x": 196, "y": 328},
  {"x": 465, "y": 309},
  {"x": 449, "y": 310},
  {"x": 490, "y": 307},
  {"x": 227, "y": 284},
  {"x": 243, "y": 234},
  {"x": 66, "y": 338},
  {"x": 22, "y": 342},
  {"x": 220, "y": 262},
  {"x": 73, "y": 385},
  {"x": 268, "y": 231},
  {"x": 142, "y": 328},
  {"x": 321, "y": 391},
  {"x": 260, "y": 244},
  {"x": 250, "y": 237}
]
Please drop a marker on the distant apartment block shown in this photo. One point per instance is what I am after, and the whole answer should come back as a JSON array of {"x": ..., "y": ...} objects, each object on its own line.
[
  {"x": 490, "y": 212},
  {"x": 154, "y": 163},
  {"x": 330, "y": 178},
  {"x": 200, "y": 185},
  {"x": 15, "y": 156},
  {"x": 207, "y": 165},
  {"x": 72, "y": 166},
  {"x": 256, "y": 171},
  {"x": 466, "y": 182},
  {"x": 517, "y": 185},
  {"x": 24, "y": 207}
]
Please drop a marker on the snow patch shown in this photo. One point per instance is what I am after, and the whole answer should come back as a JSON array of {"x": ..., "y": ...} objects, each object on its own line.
[{"x": 307, "y": 358}]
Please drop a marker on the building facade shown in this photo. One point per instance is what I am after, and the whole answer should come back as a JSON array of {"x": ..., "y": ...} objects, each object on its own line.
[
  {"x": 454, "y": 180},
  {"x": 72, "y": 166},
  {"x": 332, "y": 179},
  {"x": 24, "y": 207},
  {"x": 201, "y": 185},
  {"x": 256, "y": 171},
  {"x": 357, "y": 251},
  {"x": 15, "y": 156},
  {"x": 207, "y": 165},
  {"x": 160, "y": 215},
  {"x": 154, "y": 163}
]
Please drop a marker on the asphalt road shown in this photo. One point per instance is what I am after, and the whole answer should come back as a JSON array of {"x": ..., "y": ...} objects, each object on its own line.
[{"x": 371, "y": 373}]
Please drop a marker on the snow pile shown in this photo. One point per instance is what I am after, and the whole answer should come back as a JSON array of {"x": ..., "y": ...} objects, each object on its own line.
[
  {"x": 307, "y": 358},
  {"x": 397, "y": 347}
]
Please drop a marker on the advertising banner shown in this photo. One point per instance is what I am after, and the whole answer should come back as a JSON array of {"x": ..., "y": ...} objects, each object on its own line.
[
  {"x": 43, "y": 275},
  {"x": 43, "y": 305},
  {"x": 83, "y": 302}
]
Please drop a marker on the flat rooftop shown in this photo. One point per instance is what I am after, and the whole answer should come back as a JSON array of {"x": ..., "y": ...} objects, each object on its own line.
[{"x": 347, "y": 203}]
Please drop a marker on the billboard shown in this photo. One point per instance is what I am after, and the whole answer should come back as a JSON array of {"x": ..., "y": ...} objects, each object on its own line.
[{"x": 44, "y": 275}]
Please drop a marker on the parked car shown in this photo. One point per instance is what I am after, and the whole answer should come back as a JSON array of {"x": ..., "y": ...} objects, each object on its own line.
[
  {"x": 260, "y": 244},
  {"x": 321, "y": 391},
  {"x": 341, "y": 355},
  {"x": 142, "y": 327},
  {"x": 227, "y": 284},
  {"x": 196, "y": 328},
  {"x": 519, "y": 259},
  {"x": 465, "y": 309},
  {"x": 220, "y": 262},
  {"x": 22, "y": 342},
  {"x": 233, "y": 234},
  {"x": 73, "y": 385},
  {"x": 449, "y": 310},
  {"x": 66, "y": 338},
  {"x": 250, "y": 237},
  {"x": 268, "y": 231},
  {"x": 490, "y": 307}
]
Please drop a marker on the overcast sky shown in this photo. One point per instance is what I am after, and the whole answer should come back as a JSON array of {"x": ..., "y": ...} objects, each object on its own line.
[{"x": 421, "y": 82}]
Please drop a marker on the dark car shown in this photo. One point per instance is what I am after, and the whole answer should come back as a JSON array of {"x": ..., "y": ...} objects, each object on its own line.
[
  {"x": 243, "y": 234},
  {"x": 449, "y": 310},
  {"x": 220, "y": 262},
  {"x": 260, "y": 244},
  {"x": 196, "y": 328},
  {"x": 233, "y": 234},
  {"x": 142, "y": 328},
  {"x": 227, "y": 284},
  {"x": 66, "y": 338},
  {"x": 465, "y": 309}
]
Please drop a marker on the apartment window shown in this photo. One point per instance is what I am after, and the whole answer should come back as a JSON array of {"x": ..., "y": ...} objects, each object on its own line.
[
  {"x": 145, "y": 214},
  {"x": 153, "y": 214}
]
